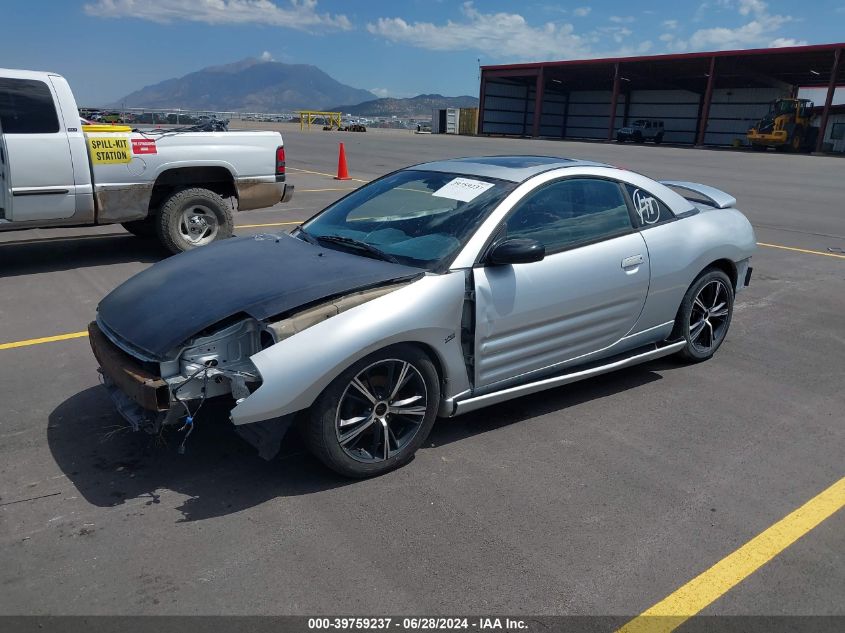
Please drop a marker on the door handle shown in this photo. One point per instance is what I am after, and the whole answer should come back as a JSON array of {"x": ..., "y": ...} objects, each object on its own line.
[{"x": 633, "y": 260}]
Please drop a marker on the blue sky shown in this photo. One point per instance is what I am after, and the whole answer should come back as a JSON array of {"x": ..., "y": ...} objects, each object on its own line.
[{"x": 107, "y": 48}]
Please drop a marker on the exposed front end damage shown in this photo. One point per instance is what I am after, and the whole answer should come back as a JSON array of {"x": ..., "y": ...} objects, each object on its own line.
[{"x": 154, "y": 394}]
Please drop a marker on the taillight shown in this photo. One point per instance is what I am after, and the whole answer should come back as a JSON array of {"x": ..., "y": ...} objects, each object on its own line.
[{"x": 280, "y": 161}]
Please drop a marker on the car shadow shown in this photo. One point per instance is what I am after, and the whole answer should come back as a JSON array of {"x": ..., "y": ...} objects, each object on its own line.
[
  {"x": 552, "y": 400},
  {"x": 50, "y": 254},
  {"x": 220, "y": 474}
]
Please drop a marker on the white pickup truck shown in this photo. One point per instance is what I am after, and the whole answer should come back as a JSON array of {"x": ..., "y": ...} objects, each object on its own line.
[{"x": 181, "y": 186}]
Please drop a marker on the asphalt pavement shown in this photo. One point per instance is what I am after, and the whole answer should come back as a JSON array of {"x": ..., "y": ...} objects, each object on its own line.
[{"x": 600, "y": 498}]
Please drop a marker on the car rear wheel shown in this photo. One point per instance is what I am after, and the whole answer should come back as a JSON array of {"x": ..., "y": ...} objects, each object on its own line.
[
  {"x": 376, "y": 414},
  {"x": 705, "y": 315},
  {"x": 193, "y": 217},
  {"x": 658, "y": 139}
]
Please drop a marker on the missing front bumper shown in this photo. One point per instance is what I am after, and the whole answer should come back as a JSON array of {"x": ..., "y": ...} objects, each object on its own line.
[{"x": 145, "y": 389}]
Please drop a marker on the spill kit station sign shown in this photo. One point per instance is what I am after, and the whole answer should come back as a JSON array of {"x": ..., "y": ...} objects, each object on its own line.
[{"x": 109, "y": 150}]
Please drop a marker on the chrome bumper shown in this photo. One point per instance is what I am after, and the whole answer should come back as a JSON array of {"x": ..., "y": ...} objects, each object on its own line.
[{"x": 254, "y": 194}]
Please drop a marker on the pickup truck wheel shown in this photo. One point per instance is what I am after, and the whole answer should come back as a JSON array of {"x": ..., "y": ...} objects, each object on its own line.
[
  {"x": 193, "y": 217},
  {"x": 141, "y": 228}
]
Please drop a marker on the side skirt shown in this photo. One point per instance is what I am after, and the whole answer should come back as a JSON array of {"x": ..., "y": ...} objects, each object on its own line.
[{"x": 636, "y": 357}]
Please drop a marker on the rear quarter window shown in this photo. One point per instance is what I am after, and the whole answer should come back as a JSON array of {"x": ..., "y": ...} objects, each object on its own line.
[{"x": 648, "y": 210}]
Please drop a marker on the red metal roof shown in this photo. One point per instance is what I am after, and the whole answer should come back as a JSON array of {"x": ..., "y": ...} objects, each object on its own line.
[{"x": 786, "y": 50}]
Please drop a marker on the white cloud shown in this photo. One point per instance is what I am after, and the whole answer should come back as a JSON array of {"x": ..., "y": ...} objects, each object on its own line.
[
  {"x": 761, "y": 30},
  {"x": 747, "y": 7},
  {"x": 510, "y": 37},
  {"x": 581, "y": 12},
  {"x": 500, "y": 35},
  {"x": 266, "y": 57},
  {"x": 781, "y": 42},
  {"x": 380, "y": 92},
  {"x": 295, "y": 14},
  {"x": 757, "y": 32}
]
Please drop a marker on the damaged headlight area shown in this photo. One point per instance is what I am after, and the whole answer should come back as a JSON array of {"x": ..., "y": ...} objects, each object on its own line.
[
  {"x": 152, "y": 395},
  {"x": 216, "y": 365}
]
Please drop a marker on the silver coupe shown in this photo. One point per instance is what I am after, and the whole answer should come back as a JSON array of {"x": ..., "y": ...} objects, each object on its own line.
[{"x": 432, "y": 291}]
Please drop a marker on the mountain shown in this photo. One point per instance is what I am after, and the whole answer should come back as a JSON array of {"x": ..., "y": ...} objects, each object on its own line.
[
  {"x": 421, "y": 105},
  {"x": 249, "y": 85}
]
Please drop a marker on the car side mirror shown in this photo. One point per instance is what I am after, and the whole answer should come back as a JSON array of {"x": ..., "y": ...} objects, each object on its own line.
[{"x": 519, "y": 250}]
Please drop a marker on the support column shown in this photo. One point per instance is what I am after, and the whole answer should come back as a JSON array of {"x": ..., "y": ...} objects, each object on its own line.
[
  {"x": 479, "y": 125},
  {"x": 627, "y": 94},
  {"x": 538, "y": 101},
  {"x": 831, "y": 88},
  {"x": 565, "y": 116},
  {"x": 705, "y": 108},
  {"x": 613, "y": 99}
]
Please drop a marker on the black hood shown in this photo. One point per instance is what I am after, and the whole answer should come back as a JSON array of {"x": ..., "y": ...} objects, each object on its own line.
[{"x": 262, "y": 276}]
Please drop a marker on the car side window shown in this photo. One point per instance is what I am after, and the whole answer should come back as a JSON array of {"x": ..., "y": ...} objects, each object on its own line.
[
  {"x": 26, "y": 107},
  {"x": 648, "y": 209},
  {"x": 569, "y": 212}
]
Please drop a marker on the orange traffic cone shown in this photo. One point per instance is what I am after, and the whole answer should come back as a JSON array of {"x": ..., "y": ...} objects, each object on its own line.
[{"x": 342, "y": 171}]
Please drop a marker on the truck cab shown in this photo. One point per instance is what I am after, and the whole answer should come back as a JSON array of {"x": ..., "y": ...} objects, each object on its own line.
[{"x": 46, "y": 171}]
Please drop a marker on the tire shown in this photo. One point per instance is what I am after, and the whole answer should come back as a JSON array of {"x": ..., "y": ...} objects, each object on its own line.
[
  {"x": 360, "y": 451},
  {"x": 193, "y": 217},
  {"x": 620, "y": 139},
  {"x": 796, "y": 142},
  {"x": 697, "y": 317},
  {"x": 658, "y": 139},
  {"x": 141, "y": 228}
]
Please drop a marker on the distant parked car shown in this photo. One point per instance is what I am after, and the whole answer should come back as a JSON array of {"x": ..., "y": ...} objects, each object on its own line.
[{"x": 641, "y": 130}]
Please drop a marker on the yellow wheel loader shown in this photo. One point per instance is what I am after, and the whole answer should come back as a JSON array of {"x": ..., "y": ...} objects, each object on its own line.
[{"x": 785, "y": 127}]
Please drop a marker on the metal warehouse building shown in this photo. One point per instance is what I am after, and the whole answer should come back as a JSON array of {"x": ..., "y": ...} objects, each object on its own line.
[{"x": 703, "y": 98}]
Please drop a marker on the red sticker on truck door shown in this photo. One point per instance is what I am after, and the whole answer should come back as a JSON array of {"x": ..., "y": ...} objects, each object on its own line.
[{"x": 144, "y": 146}]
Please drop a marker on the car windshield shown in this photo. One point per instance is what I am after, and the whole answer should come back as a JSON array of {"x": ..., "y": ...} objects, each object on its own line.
[{"x": 418, "y": 218}]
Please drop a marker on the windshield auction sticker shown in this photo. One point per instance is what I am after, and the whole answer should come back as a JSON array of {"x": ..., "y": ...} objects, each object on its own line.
[
  {"x": 463, "y": 189},
  {"x": 109, "y": 150}
]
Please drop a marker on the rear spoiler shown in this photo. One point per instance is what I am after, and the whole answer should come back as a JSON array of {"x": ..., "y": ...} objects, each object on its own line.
[{"x": 711, "y": 195}]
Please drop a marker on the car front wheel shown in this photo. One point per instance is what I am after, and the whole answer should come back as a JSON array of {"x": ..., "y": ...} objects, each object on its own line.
[
  {"x": 705, "y": 315},
  {"x": 376, "y": 414}
]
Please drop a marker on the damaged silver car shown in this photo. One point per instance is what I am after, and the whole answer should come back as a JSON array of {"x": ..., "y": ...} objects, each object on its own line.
[{"x": 433, "y": 291}]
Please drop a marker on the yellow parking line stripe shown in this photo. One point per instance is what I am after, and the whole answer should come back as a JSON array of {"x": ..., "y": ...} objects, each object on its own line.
[
  {"x": 255, "y": 226},
  {"x": 46, "y": 339},
  {"x": 674, "y": 610},
  {"x": 322, "y": 173},
  {"x": 800, "y": 250}
]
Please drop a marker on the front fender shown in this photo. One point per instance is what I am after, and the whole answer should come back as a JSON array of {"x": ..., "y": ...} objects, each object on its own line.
[{"x": 297, "y": 369}]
